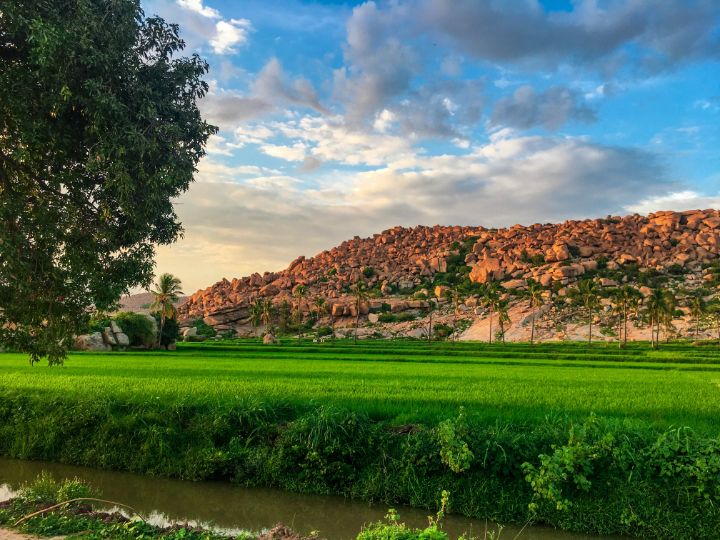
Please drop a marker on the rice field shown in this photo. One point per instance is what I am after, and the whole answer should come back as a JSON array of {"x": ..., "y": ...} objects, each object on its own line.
[{"x": 402, "y": 382}]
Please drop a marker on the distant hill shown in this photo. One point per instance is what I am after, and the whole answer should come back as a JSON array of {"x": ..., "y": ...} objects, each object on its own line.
[{"x": 140, "y": 303}]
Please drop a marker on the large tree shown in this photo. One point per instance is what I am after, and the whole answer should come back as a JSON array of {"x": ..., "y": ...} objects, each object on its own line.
[{"x": 99, "y": 131}]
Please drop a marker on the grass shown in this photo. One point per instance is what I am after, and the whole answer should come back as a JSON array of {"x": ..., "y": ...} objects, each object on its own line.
[
  {"x": 596, "y": 440},
  {"x": 404, "y": 382}
]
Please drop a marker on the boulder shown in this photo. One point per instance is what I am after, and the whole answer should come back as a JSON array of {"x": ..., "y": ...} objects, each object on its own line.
[
  {"x": 91, "y": 342},
  {"x": 373, "y": 317},
  {"x": 108, "y": 336},
  {"x": 122, "y": 339},
  {"x": 189, "y": 332},
  {"x": 269, "y": 339}
]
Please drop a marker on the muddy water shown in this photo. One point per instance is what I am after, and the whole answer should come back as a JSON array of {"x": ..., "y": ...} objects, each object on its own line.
[{"x": 233, "y": 508}]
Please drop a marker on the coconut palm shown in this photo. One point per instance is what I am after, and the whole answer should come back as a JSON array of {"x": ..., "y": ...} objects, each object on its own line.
[
  {"x": 714, "y": 316},
  {"x": 625, "y": 299},
  {"x": 659, "y": 305},
  {"x": 501, "y": 307},
  {"x": 536, "y": 296},
  {"x": 320, "y": 306},
  {"x": 166, "y": 294},
  {"x": 299, "y": 293},
  {"x": 360, "y": 293},
  {"x": 490, "y": 297},
  {"x": 587, "y": 294},
  {"x": 432, "y": 306},
  {"x": 453, "y": 295},
  {"x": 267, "y": 312},
  {"x": 698, "y": 309},
  {"x": 256, "y": 310}
]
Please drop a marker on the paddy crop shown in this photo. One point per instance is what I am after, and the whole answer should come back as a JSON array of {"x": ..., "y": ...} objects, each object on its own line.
[{"x": 402, "y": 382}]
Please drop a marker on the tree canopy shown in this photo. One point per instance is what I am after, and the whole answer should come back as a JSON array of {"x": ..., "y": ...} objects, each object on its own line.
[{"x": 99, "y": 131}]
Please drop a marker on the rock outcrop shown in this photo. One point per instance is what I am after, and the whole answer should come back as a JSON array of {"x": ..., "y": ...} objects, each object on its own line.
[{"x": 399, "y": 260}]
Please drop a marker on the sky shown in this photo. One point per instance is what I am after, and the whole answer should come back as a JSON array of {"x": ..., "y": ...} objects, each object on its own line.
[{"x": 339, "y": 119}]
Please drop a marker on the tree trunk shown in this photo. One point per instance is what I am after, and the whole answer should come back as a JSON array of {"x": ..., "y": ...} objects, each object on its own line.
[
  {"x": 491, "y": 318},
  {"x": 357, "y": 320},
  {"x": 429, "y": 336},
  {"x": 160, "y": 331},
  {"x": 532, "y": 330},
  {"x": 590, "y": 330},
  {"x": 625, "y": 319}
]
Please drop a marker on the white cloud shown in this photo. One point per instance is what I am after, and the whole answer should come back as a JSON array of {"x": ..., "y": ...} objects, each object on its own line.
[
  {"x": 230, "y": 34},
  {"x": 295, "y": 152},
  {"x": 197, "y": 6},
  {"x": 678, "y": 200},
  {"x": 384, "y": 120}
]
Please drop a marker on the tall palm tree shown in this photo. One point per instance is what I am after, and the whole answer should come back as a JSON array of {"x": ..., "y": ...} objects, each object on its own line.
[
  {"x": 659, "y": 305},
  {"x": 714, "y": 315},
  {"x": 624, "y": 300},
  {"x": 490, "y": 297},
  {"x": 360, "y": 292},
  {"x": 320, "y": 306},
  {"x": 587, "y": 294},
  {"x": 698, "y": 309},
  {"x": 267, "y": 312},
  {"x": 256, "y": 311},
  {"x": 299, "y": 294},
  {"x": 166, "y": 294},
  {"x": 453, "y": 295},
  {"x": 501, "y": 307},
  {"x": 432, "y": 306},
  {"x": 535, "y": 294}
]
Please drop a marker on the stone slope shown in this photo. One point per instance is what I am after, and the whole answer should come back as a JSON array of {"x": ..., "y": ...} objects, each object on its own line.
[{"x": 398, "y": 260}]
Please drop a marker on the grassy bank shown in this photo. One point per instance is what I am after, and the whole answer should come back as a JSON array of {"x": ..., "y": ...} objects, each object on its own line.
[{"x": 384, "y": 424}]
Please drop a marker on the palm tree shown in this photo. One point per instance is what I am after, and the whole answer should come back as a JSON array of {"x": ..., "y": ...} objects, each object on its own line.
[
  {"x": 256, "y": 310},
  {"x": 624, "y": 300},
  {"x": 360, "y": 292},
  {"x": 453, "y": 295},
  {"x": 432, "y": 306},
  {"x": 168, "y": 290},
  {"x": 698, "y": 309},
  {"x": 660, "y": 305},
  {"x": 320, "y": 306},
  {"x": 501, "y": 306},
  {"x": 587, "y": 295},
  {"x": 535, "y": 294},
  {"x": 267, "y": 312},
  {"x": 490, "y": 297},
  {"x": 714, "y": 314},
  {"x": 299, "y": 294}
]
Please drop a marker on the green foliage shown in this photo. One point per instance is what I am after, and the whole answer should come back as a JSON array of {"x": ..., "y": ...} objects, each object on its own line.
[
  {"x": 170, "y": 331},
  {"x": 368, "y": 272},
  {"x": 139, "y": 329},
  {"x": 100, "y": 132},
  {"x": 98, "y": 323},
  {"x": 454, "y": 451},
  {"x": 46, "y": 490},
  {"x": 203, "y": 329},
  {"x": 442, "y": 330}
]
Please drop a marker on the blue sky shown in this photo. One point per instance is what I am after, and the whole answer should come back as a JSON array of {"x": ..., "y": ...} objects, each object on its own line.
[{"x": 340, "y": 119}]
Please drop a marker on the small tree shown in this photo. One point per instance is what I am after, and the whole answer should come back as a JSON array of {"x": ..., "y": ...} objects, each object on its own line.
[
  {"x": 535, "y": 295},
  {"x": 360, "y": 292},
  {"x": 299, "y": 294},
  {"x": 166, "y": 295},
  {"x": 660, "y": 306},
  {"x": 453, "y": 295},
  {"x": 320, "y": 307},
  {"x": 432, "y": 306}
]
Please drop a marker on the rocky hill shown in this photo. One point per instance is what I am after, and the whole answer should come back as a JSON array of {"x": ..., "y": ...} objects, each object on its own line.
[{"x": 403, "y": 266}]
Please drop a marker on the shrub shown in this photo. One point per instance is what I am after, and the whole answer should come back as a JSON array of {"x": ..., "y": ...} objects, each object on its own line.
[
  {"x": 386, "y": 317},
  {"x": 442, "y": 330},
  {"x": 368, "y": 272},
  {"x": 204, "y": 330},
  {"x": 324, "y": 331},
  {"x": 405, "y": 317},
  {"x": 139, "y": 329}
]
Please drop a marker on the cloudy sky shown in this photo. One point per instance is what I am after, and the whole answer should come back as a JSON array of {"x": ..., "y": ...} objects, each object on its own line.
[{"x": 340, "y": 119}]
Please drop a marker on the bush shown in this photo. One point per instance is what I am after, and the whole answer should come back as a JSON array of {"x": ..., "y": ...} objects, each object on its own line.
[
  {"x": 139, "y": 328},
  {"x": 405, "y": 317},
  {"x": 442, "y": 331},
  {"x": 323, "y": 331},
  {"x": 387, "y": 317},
  {"x": 204, "y": 330}
]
